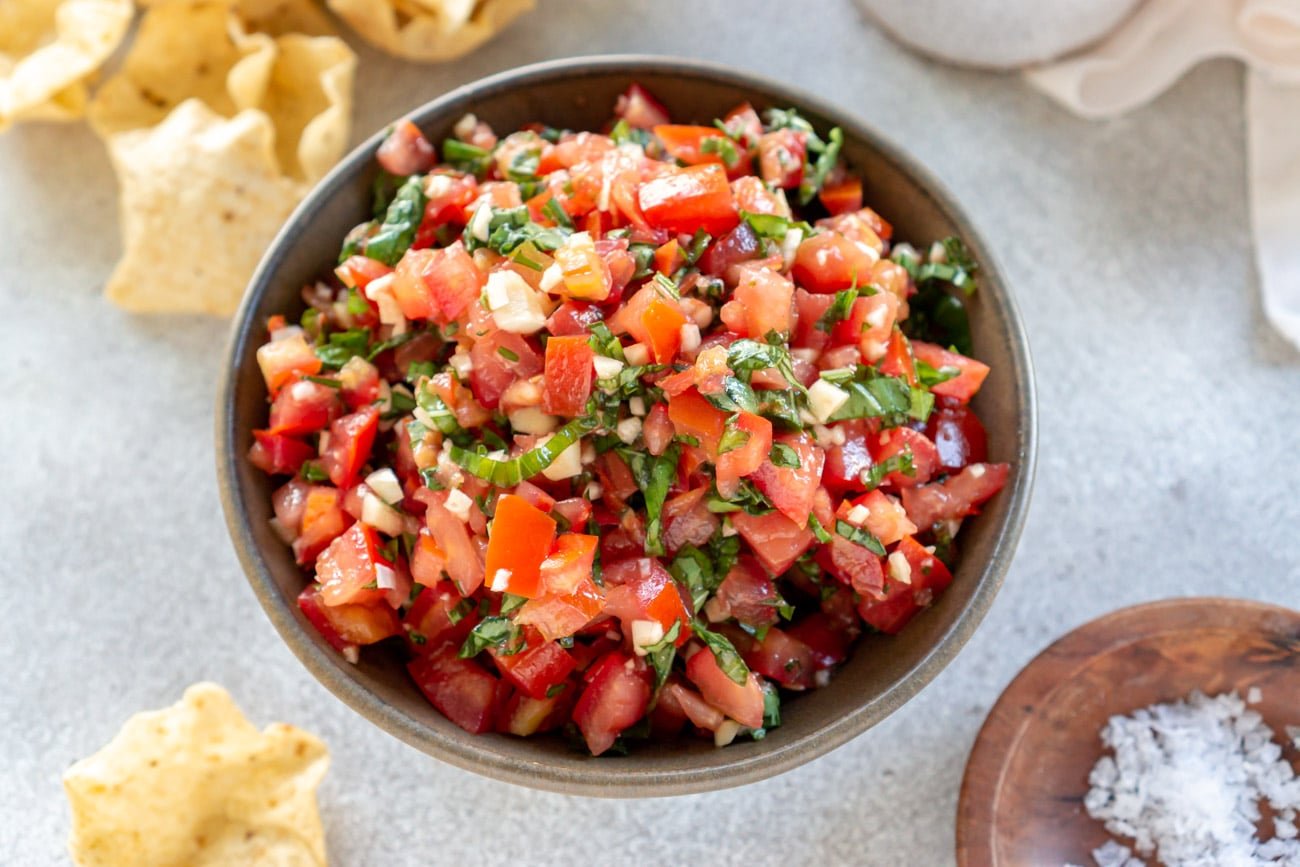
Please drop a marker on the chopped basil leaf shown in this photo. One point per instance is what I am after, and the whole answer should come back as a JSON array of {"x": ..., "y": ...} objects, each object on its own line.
[
  {"x": 508, "y": 473},
  {"x": 781, "y": 407},
  {"x": 789, "y": 118},
  {"x": 507, "y": 354},
  {"x": 357, "y": 305},
  {"x": 555, "y": 689},
  {"x": 416, "y": 637},
  {"x": 932, "y": 376},
  {"x": 624, "y": 133},
  {"x": 958, "y": 266},
  {"x": 510, "y": 602},
  {"x": 747, "y": 356},
  {"x": 723, "y": 550},
  {"x": 841, "y": 308},
  {"x": 436, "y": 408},
  {"x": 660, "y": 655},
  {"x": 429, "y": 475},
  {"x": 382, "y": 192},
  {"x": 898, "y": 463},
  {"x": 666, "y": 286},
  {"x": 699, "y": 243},
  {"x": 747, "y": 499},
  {"x": 466, "y": 157},
  {"x": 723, "y": 147},
  {"x": 774, "y": 226},
  {"x": 417, "y": 369},
  {"x": 938, "y": 317},
  {"x": 497, "y": 632},
  {"x": 400, "y": 403},
  {"x": 459, "y": 611},
  {"x": 724, "y": 652},
  {"x": 385, "y": 345},
  {"x": 736, "y": 395},
  {"x": 818, "y": 530},
  {"x": 325, "y": 381},
  {"x": 524, "y": 165},
  {"x": 511, "y": 228},
  {"x": 889, "y": 398},
  {"x": 355, "y": 240},
  {"x": 815, "y": 173},
  {"x": 694, "y": 570},
  {"x": 401, "y": 220},
  {"x": 643, "y": 255},
  {"x": 784, "y": 456},
  {"x": 732, "y": 438},
  {"x": 661, "y": 474},
  {"x": 311, "y": 471},
  {"x": 771, "y": 707},
  {"x": 557, "y": 214},
  {"x": 342, "y": 345},
  {"x": 859, "y": 536}
]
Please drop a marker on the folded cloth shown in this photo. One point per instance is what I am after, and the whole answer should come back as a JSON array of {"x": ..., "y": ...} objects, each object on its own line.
[{"x": 1159, "y": 43}]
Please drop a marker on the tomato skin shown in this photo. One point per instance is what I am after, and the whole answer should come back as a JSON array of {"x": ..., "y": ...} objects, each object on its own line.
[
  {"x": 573, "y": 318},
  {"x": 743, "y": 703},
  {"x": 958, "y": 437},
  {"x": 323, "y": 520},
  {"x": 767, "y": 300},
  {"x": 643, "y": 590},
  {"x": 775, "y": 539},
  {"x": 283, "y": 360},
  {"x": 747, "y": 594},
  {"x": 842, "y": 198},
  {"x": 464, "y": 563},
  {"x": 968, "y": 381},
  {"x": 463, "y": 691},
  {"x": 304, "y": 407},
  {"x": 692, "y": 415},
  {"x": 827, "y": 638},
  {"x": 846, "y": 463},
  {"x": 566, "y": 383},
  {"x": 349, "y": 564},
  {"x": 738, "y": 245},
  {"x": 956, "y": 496},
  {"x": 617, "y": 695},
  {"x": 925, "y": 457},
  {"x": 829, "y": 262},
  {"x": 886, "y": 519},
  {"x": 928, "y": 577},
  {"x": 782, "y": 658},
  {"x": 686, "y": 143},
  {"x": 569, "y": 563},
  {"x": 791, "y": 489},
  {"x": 781, "y": 156},
  {"x": 358, "y": 272},
  {"x": 640, "y": 109},
  {"x": 853, "y": 565},
  {"x": 494, "y": 371},
  {"x": 520, "y": 540},
  {"x": 688, "y": 521},
  {"x": 405, "y": 150},
  {"x": 700, "y": 713},
  {"x": 351, "y": 439},
  {"x": 558, "y": 616},
  {"x": 696, "y": 197},
  {"x": 539, "y": 666},
  {"x": 752, "y": 195},
  {"x": 732, "y": 466},
  {"x": 346, "y": 626},
  {"x": 657, "y": 430},
  {"x": 277, "y": 454},
  {"x": 437, "y": 284}
]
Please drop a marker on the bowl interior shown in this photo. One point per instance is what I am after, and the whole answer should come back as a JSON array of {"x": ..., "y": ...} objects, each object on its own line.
[{"x": 884, "y": 671}]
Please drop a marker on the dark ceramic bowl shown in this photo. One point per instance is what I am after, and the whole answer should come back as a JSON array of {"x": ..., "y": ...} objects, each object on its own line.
[{"x": 884, "y": 672}]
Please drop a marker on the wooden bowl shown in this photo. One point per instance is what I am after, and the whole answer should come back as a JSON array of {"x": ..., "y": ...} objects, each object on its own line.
[
  {"x": 1022, "y": 796},
  {"x": 884, "y": 671}
]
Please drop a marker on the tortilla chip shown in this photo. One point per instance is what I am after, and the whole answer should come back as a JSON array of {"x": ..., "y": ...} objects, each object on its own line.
[
  {"x": 429, "y": 30},
  {"x": 202, "y": 196},
  {"x": 48, "y": 50},
  {"x": 197, "y": 784},
  {"x": 219, "y": 101}
]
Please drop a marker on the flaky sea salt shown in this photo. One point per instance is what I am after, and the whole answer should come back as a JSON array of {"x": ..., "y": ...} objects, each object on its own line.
[{"x": 1185, "y": 783}]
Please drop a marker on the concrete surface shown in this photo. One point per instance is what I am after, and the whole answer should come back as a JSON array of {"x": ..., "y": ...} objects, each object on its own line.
[{"x": 1169, "y": 456}]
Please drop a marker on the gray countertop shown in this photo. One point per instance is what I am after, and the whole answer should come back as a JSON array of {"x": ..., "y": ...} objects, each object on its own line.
[{"x": 1170, "y": 455}]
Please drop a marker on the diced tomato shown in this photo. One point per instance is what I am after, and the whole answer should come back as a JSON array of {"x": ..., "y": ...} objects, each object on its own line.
[
  {"x": 741, "y": 702},
  {"x": 574, "y": 510},
  {"x": 501, "y": 359},
  {"x": 775, "y": 539},
  {"x": 827, "y": 637},
  {"x": 519, "y": 541},
  {"x": 289, "y": 502},
  {"x": 791, "y": 489},
  {"x": 669, "y": 258},
  {"x": 350, "y": 569},
  {"x": 285, "y": 358},
  {"x": 323, "y": 520},
  {"x": 829, "y": 262},
  {"x": 899, "y": 440},
  {"x": 970, "y": 373},
  {"x": 694, "y": 416},
  {"x": 926, "y": 576},
  {"x": 617, "y": 695},
  {"x": 524, "y": 715},
  {"x": 566, "y": 384},
  {"x": 958, "y": 436},
  {"x": 810, "y": 307},
  {"x": 753, "y": 196},
  {"x": 661, "y": 326},
  {"x": 870, "y": 325},
  {"x": 304, "y": 407},
  {"x": 696, "y": 197},
  {"x": 743, "y": 124},
  {"x": 359, "y": 382},
  {"x": 765, "y": 298},
  {"x": 573, "y": 318},
  {"x": 569, "y": 564},
  {"x": 688, "y": 521},
  {"x": 357, "y": 272},
  {"x": 693, "y": 706},
  {"x": 688, "y": 143},
  {"x": 956, "y": 496},
  {"x": 430, "y": 618},
  {"x": 345, "y": 626},
  {"x": 886, "y": 519},
  {"x": 781, "y": 156},
  {"x": 540, "y": 665},
  {"x": 428, "y": 561},
  {"x": 277, "y": 454},
  {"x": 744, "y": 459},
  {"x": 640, "y": 109},
  {"x": 405, "y": 151},
  {"x": 738, "y": 245},
  {"x": 657, "y": 430},
  {"x": 437, "y": 284},
  {"x": 781, "y": 657},
  {"x": 448, "y": 194},
  {"x": 559, "y": 616},
  {"x": 464, "y": 562},
  {"x": 350, "y": 441},
  {"x": 853, "y": 565},
  {"x": 586, "y": 275},
  {"x": 898, "y": 359},
  {"x": 643, "y": 590},
  {"x": 747, "y": 594},
  {"x": 842, "y": 198},
  {"x": 846, "y": 463},
  {"x": 462, "y": 690}
]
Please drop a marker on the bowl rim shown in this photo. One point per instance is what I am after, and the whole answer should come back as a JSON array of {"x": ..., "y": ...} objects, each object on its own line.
[{"x": 472, "y": 753}]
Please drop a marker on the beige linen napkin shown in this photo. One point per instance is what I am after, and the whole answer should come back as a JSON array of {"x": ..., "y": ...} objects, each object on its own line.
[{"x": 1164, "y": 39}]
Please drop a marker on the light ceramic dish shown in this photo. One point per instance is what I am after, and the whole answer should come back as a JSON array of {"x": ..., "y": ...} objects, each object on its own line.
[{"x": 884, "y": 672}]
